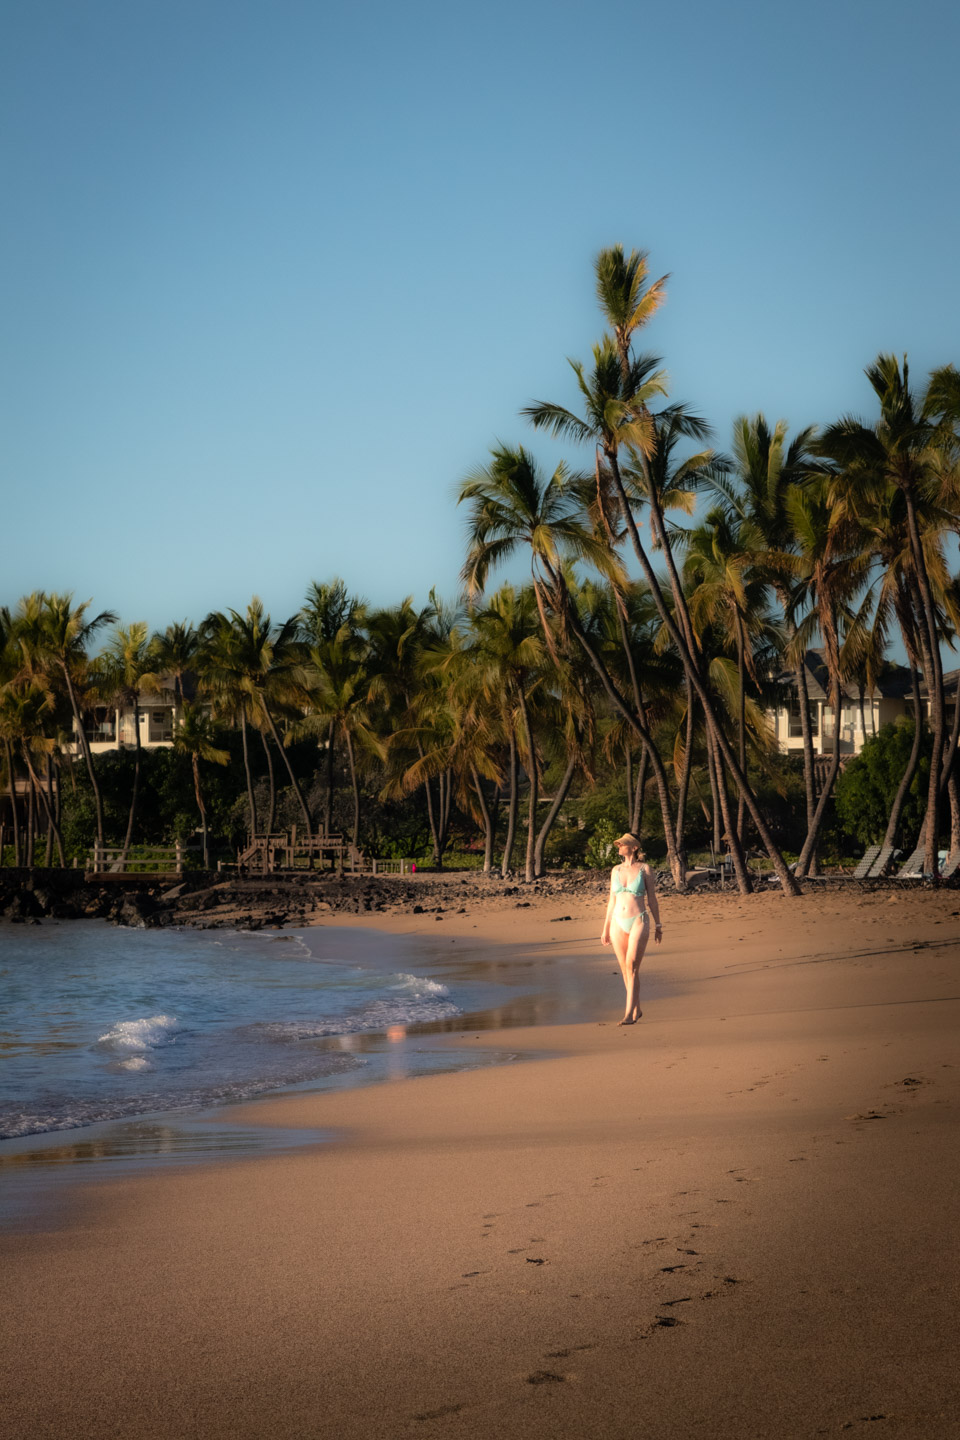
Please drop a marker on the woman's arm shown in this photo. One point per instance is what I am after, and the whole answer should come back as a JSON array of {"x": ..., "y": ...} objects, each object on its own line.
[
  {"x": 650, "y": 885},
  {"x": 605, "y": 932}
]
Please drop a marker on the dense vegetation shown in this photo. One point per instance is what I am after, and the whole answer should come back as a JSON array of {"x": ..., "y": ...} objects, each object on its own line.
[{"x": 627, "y": 684}]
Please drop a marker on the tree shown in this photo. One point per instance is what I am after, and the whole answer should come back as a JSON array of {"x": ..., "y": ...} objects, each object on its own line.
[
  {"x": 196, "y": 737},
  {"x": 58, "y": 640},
  {"x": 908, "y": 448},
  {"x": 123, "y": 669}
]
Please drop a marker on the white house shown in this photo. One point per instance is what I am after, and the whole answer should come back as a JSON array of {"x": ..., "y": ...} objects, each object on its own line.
[{"x": 859, "y": 719}]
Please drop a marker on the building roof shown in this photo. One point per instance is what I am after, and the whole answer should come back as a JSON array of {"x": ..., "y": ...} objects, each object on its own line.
[{"x": 893, "y": 682}]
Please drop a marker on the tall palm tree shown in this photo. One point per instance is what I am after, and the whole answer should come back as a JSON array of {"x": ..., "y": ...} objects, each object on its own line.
[
  {"x": 196, "y": 737},
  {"x": 336, "y": 690},
  {"x": 59, "y": 641},
  {"x": 124, "y": 668},
  {"x": 510, "y": 653},
  {"x": 832, "y": 563},
  {"x": 755, "y": 489},
  {"x": 617, "y": 418},
  {"x": 247, "y": 653},
  {"x": 905, "y": 447}
]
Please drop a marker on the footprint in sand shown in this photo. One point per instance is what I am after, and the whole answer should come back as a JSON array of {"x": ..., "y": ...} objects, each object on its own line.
[{"x": 545, "y": 1377}]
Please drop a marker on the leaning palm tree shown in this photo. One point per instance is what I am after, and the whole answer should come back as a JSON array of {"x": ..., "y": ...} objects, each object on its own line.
[
  {"x": 196, "y": 737},
  {"x": 513, "y": 508},
  {"x": 617, "y": 418}
]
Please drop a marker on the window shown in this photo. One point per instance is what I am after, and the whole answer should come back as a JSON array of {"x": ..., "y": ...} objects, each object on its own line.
[{"x": 796, "y": 729}]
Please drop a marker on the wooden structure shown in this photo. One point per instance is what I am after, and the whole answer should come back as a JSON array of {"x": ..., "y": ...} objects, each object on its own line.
[
  {"x": 143, "y": 862},
  {"x": 267, "y": 854}
]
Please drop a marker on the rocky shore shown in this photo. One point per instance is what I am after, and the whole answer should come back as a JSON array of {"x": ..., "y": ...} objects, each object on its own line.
[
  {"x": 207, "y": 901},
  {"x": 252, "y": 903}
]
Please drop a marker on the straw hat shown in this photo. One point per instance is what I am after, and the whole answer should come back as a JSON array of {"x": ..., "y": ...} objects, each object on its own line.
[{"x": 628, "y": 839}]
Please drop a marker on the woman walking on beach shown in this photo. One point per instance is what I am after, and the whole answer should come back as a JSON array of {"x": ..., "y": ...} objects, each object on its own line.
[{"x": 633, "y": 897}]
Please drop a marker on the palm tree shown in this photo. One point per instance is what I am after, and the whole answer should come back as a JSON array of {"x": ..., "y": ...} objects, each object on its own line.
[
  {"x": 58, "y": 641},
  {"x": 831, "y": 562},
  {"x": 124, "y": 668},
  {"x": 195, "y": 736},
  {"x": 905, "y": 447},
  {"x": 336, "y": 690},
  {"x": 250, "y": 656},
  {"x": 617, "y": 417},
  {"x": 510, "y": 653},
  {"x": 176, "y": 652},
  {"x": 764, "y": 470},
  {"x": 513, "y": 507},
  {"x": 726, "y": 594}
]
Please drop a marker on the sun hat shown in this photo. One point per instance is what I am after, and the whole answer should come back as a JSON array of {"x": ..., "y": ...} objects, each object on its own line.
[{"x": 628, "y": 839}]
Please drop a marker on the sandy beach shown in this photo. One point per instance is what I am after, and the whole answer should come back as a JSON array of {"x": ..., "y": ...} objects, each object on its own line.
[{"x": 735, "y": 1219}]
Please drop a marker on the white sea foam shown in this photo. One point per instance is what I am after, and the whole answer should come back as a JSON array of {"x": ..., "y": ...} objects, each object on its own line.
[
  {"x": 413, "y": 1000},
  {"x": 421, "y": 987},
  {"x": 143, "y": 1034},
  {"x": 135, "y": 1062}
]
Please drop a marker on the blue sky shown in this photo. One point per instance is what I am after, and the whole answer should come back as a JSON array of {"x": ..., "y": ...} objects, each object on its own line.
[{"x": 274, "y": 276}]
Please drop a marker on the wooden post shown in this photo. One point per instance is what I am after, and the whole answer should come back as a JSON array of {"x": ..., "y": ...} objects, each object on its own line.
[
  {"x": 179, "y": 853},
  {"x": 373, "y": 867}
]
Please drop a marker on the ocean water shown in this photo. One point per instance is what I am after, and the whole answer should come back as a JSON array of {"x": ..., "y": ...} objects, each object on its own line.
[{"x": 100, "y": 1023}]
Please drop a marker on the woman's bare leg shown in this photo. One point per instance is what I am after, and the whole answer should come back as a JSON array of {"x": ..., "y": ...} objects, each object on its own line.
[
  {"x": 636, "y": 945},
  {"x": 619, "y": 939}
]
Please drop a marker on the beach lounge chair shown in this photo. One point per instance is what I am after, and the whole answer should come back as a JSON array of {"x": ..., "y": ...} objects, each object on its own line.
[
  {"x": 913, "y": 869},
  {"x": 866, "y": 864},
  {"x": 881, "y": 862},
  {"x": 951, "y": 867}
]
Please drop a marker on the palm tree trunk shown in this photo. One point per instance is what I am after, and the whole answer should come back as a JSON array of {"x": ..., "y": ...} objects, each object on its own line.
[
  {"x": 272, "y": 807},
  {"x": 931, "y": 864},
  {"x": 195, "y": 766},
  {"x": 809, "y": 782},
  {"x": 683, "y": 784},
  {"x": 684, "y": 645},
  {"x": 36, "y": 785},
  {"x": 637, "y": 725},
  {"x": 561, "y": 795},
  {"x": 744, "y": 883},
  {"x": 511, "y": 808},
  {"x": 954, "y": 814},
  {"x": 48, "y": 793},
  {"x": 293, "y": 779},
  {"x": 487, "y": 821},
  {"x": 356, "y": 788},
  {"x": 741, "y": 720},
  {"x": 628, "y": 756},
  {"x": 714, "y": 801},
  {"x": 251, "y": 799},
  {"x": 85, "y": 747},
  {"x": 328, "y": 797},
  {"x": 532, "y": 776},
  {"x": 906, "y": 779},
  {"x": 127, "y": 839},
  {"x": 636, "y": 817},
  {"x": 12, "y": 788},
  {"x": 31, "y": 816},
  {"x": 951, "y": 755},
  {"x": 813, "y": 833}
]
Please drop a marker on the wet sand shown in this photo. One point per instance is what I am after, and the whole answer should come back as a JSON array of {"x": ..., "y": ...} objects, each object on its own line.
[{"x": 737, "y": 1218}]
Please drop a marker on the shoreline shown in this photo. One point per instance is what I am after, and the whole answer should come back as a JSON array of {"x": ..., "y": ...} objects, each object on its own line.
[{"x": 732, "y": 1219}]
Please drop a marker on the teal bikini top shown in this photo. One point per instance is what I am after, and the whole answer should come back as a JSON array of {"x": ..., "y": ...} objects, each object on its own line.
[{"x": 634, "y": 888}]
